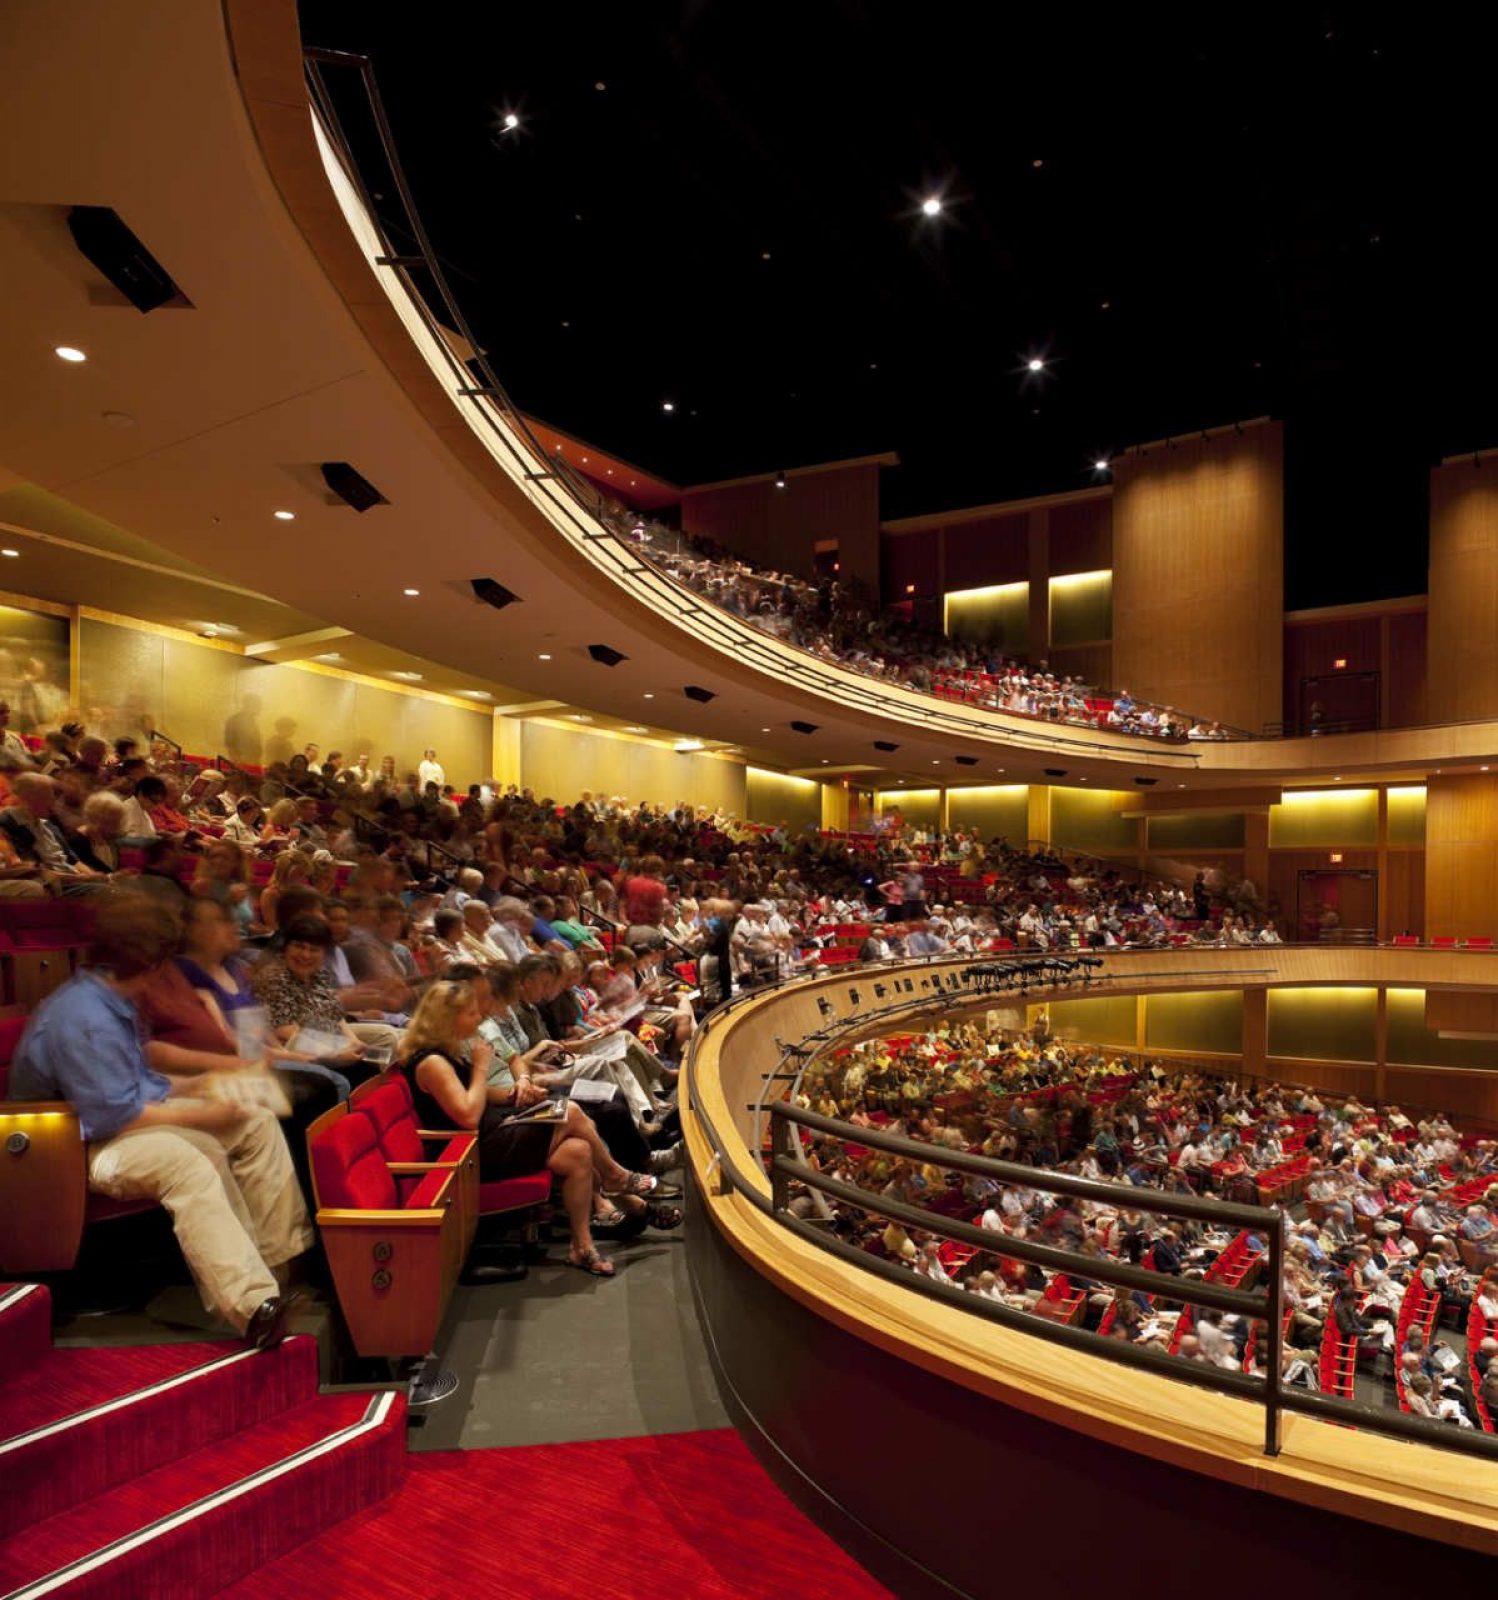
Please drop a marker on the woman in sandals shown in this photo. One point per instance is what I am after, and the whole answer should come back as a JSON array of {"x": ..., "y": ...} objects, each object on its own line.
[{"x": 448, "y": 1071}]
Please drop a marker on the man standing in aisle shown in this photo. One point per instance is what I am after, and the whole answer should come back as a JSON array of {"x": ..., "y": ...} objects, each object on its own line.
[{"x": 222, "y": 1170}]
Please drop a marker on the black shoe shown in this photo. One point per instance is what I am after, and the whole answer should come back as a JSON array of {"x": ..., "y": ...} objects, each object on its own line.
[
  {"x": 478, "y": 1277},
  {"x": 267, "y": 1328}
]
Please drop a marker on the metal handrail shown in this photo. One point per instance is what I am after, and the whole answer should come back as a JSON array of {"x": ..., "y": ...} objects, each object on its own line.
[
  {"x": 580, "y": 507},
  {"x": 1267, "y": 1390}
]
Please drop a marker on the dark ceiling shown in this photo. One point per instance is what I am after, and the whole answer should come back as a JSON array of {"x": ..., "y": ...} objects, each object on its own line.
[{"x": 718, "y": 205}]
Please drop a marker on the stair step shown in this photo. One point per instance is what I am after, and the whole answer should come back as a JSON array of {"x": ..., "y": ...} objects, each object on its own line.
[
  {"x": 25, "y": 1325},
  {"x": 85, "y": 1420},
  {"x": 205, "y": 1519}
]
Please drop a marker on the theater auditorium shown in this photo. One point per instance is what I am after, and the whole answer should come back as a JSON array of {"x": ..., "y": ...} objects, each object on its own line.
[{"x": 748, "y": 808}]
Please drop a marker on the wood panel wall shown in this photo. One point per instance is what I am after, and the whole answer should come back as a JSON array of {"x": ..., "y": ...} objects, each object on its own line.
[
  {"x": 1461, "y": 855},
  {"x": 1198, "y": 574},
  {"x": 1463, "y": 612},
  {"x": 778, "y": 528}
]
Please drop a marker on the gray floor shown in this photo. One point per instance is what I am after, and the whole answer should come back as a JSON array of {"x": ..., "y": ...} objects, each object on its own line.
[{"x": 561, "y": 1356}]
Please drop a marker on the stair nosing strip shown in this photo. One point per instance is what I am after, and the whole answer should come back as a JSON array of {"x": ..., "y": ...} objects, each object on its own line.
[
  {"x": 374, "y": 1414},
  {"x": 18, "y": 1294},
  {"x": 105, "y": 1407}
]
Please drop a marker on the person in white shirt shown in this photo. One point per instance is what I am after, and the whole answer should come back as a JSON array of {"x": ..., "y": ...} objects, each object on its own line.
[{"x": 430, "y": 771}]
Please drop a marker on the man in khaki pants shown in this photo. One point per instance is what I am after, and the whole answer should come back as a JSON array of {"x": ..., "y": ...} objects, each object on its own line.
[{"x": 221, "y": 1170}]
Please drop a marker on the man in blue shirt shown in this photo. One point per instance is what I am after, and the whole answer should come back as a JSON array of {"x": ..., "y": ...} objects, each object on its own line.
[{"x": 222, "y": 1170}]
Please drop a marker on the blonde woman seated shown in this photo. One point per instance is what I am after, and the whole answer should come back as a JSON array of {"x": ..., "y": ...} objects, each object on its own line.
[
  {"x": 448, "y": 1071},
  {"x": 292, "y": 867}
]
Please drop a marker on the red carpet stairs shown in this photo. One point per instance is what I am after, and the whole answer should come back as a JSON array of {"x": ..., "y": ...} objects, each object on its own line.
[{"x": 166, "y": 1471}]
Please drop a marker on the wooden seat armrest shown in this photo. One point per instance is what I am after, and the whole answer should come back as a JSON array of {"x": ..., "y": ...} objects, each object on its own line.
[
  {"x": 38, "y": 1108},
  {"x": 404, "y": 1169},
  {"x": 447, "y": 1133}
]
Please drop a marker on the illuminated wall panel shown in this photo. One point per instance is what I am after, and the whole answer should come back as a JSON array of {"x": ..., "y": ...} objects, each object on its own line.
[
  {"x": 997, "y": 616},
  {"x": 1220, "y": 830},
  {"x": 1323, "y": 1024},
  {"x": 1412, "y": 1043},
  {"x": 993, "y": 811},
  {"x": 1313, "y": 817},
  {"x": 1081, "y": 608},
  {"x": 1211, "y": 1022},
  {"x": 1089, "y": 819},
  {"x": 1407, "y": 815},
  {"x": 562, "y": 762},
  {"x": 775, "y": 797},
  {"x": 921, "y": 808},
  {"x": 1103, "y": 1019}
]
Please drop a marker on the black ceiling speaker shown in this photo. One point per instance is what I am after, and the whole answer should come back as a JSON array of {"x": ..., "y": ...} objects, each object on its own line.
[
  {"x": 101, "y": 235},
  {"x": 350, "y": 487},
  {"x": 1055, "y": 772},
  {"x": 694, "y": 692},
  {"x": 884, "y": 744},
  {"x": 806, "y": 727},
  {"x": 492, "y": 593},
  {"x": 1146, "y": 783},
  {"x": 966, "y": 761},
  {"x": 606, "y": 655}
]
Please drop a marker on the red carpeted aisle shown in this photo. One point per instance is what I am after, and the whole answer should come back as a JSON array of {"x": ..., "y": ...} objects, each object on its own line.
[{"x": 686, "y": 1516}]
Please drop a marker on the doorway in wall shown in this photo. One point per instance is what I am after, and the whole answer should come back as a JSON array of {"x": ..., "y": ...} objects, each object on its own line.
[{"x": 1336, "y": 906}]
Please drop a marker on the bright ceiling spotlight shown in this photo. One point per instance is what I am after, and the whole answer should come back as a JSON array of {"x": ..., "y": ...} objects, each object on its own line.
[
  {"x": 1035, "y": 364},
  {"x": 668, "y": 405},
  {"x": 284, "y": 516},
  {"x": 69, "y": 352},
  {"x": 780, "y": 480},
  {"x": 1101, "y": 464},
  {"x": 511, "y": 121},
  {"x": 931, "y": 206},
  {"x": 411, "y": 591}
]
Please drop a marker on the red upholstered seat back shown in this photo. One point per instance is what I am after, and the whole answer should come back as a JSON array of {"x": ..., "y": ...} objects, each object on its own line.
[
  {"x": 11, "y": 1029},
  {"x": 390, "y": 1111},
  {"x": 350, "y": 1169}
]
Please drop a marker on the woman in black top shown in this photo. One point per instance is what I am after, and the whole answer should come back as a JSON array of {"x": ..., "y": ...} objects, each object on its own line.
[{"x": 448, "y": 1069}]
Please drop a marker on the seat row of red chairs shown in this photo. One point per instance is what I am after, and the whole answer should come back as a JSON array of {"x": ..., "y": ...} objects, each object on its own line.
[
  {"x": 1411, "y": 941},
  {"x": 397, "y": 1209},
  {"x": 1420, "y": 1308},
  {"x": 1479, "y": 1327},
  {"x": 1339, "y": 1357}
]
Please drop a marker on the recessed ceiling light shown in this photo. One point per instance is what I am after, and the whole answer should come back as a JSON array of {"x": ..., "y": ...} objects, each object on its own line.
[
  {"x": 1101, "y": 464},
  {"x": 936, "y": 761},
  {"x": 1035, "y": 364},
  {"x": 543, "y": 658},
  {"x": 668, "y": 405},
  {"x": 330, "y": 655},
  {"x": 69, "y": 352},
  {"x": 577, "y": 716},
  {"x": 764, "y": 730},
  {"x": 411, "y": 591},
  {"x": 11, "y": 553},
  {"x": 410, "y": 677},
  {"x": 284, "y": 516},
  {"x": 825, "y": 762},
  {"x": 648, "y": 695},
  {"x": 636, "y": 728},
  {"x": 476, "y": 694},
  {"x": 931, "y": 206},
  {"x": 511, "y": 121}
]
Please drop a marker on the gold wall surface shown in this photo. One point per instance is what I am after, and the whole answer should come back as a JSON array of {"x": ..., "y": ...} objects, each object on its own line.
[
  {"x": 776, "y": 797},
  {"x": 561, "y": 762},
  {"x": 216, "y": 702},
  {"x": 993, "y": 811},
  {"x": 1198, "y": 584},
  {"x": 1081, "y": 609},
  {"x": 1321, "y": 1024},
  {"x": 1099, "y": 1019},
  {"x": 1309, "y": 817},
  {"x": 1092, "y": 820},
  {"x": 997, "y": 616},
  {"x": 1412, "y": 1041},
  {"x": 921, "y": 808},
  {"x": 1210, "y": 1022},
  {"x": 1407, "y": 814},
  {"x": 34, "y": 667},
  {"x": 1210, "y": 830}
]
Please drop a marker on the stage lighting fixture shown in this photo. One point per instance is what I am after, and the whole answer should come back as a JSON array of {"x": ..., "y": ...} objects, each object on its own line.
[
  {"x": 102, "y": 237},
  {"x": 492, "y": 593},
  {"x": 805, "y": 727},
  {"x": 1146, "y": 783},
  {"x": 606, "y": 655},
  {"x": 696, "y": 692},
  {"x": 966, "y": 761},
  {"x": 1055, "y": 772},
  {"x": 885, "y": 745},
  {"x": 351, "y": 487},
  {"x": 780, "y": 480}
]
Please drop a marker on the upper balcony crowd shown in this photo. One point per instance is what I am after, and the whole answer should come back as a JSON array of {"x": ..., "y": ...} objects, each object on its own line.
[{"x": 823, "y": 619}]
